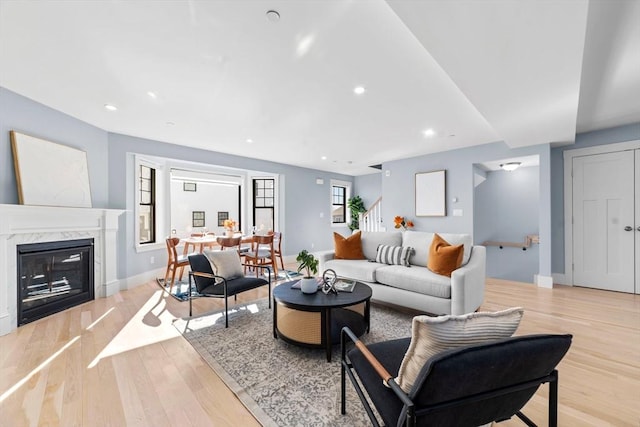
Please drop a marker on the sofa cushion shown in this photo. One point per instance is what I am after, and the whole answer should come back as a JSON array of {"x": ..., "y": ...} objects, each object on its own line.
[
  {"x": 372, "y": 239},
  {"x": 348, "y": 247},
  {"x": 432, "y": 335},
  {"x": 419, "y": 280},
  {"x": 356, "y": 269},
  {"x": 420, "y": 241},
  {"x": 443, "y": 257},
  {"x": 394, "y": 255}
]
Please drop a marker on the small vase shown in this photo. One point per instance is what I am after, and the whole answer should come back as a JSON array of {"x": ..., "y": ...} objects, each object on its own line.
[
  {"x": 229, "y": 233},
  {"x": 309, "y": 285}
]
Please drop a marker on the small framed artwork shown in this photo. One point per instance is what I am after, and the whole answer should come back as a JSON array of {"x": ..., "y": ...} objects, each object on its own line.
[
  {"x": 221, "y": 217},
  {"x": 189, "y": 186},
  {"x": 197, "y": 218},
  {"x": 430, "y": 193}
]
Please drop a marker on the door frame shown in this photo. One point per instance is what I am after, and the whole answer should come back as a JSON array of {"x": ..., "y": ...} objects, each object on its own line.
[{"x": 569, "y": 155}]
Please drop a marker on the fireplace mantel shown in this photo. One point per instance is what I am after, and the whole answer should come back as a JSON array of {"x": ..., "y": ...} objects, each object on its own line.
[{"x": 21, "y": 224}]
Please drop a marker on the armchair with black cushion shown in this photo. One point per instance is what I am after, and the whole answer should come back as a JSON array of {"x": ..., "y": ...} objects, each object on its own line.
[
  {"x": 465, "y": 386},
  {"x": 228, "y": 280}
]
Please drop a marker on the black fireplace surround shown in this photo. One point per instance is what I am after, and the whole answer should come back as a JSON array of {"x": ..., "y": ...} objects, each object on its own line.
[{"x": 53, "y": 276}]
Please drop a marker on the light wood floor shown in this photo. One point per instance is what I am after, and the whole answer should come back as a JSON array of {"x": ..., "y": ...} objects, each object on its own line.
[{"x": 118, "y": 361}]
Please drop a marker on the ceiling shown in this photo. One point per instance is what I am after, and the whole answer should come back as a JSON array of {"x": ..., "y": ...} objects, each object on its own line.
[{"x": 227, "y": 78}]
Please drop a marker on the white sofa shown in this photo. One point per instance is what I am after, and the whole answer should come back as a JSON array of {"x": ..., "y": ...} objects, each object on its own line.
[{"x": 416, "y": 286}]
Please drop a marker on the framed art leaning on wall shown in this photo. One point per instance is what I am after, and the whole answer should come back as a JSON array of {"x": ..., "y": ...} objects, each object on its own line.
[
  {"x": 50, "y": 174},
  {"x": 430, "y": 193}
]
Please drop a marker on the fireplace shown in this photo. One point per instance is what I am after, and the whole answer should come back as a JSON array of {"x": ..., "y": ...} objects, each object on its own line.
[
  {"x": 26, "y": 225},
  {"x": 53, "y": 276}
]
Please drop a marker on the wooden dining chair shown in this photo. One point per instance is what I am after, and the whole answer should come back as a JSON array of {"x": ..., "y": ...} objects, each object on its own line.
[
  {"x": 174, "y": 262},
  {"x": 230, "y": 243},
  {"x": 261, "y": 253},
  {"x": 277, "y": 247}
]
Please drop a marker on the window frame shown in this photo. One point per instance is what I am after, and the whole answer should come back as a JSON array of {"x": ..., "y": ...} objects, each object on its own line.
[
  {"x": 347, "y": 194},
  {"x": 255, "y": 197},
  {"x": 151, "y": 204},
  {"x": 160, "y": 200}
]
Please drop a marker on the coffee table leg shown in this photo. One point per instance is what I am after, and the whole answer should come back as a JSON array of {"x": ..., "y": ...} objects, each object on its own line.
[
  {"x": 275, "y": 318},
  {"x": 367, "y": 314},
  {"x": 327, "y": 338}
]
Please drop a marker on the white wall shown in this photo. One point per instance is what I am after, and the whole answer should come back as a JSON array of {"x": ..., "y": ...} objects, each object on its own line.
[{"x": 209, "y": 197}]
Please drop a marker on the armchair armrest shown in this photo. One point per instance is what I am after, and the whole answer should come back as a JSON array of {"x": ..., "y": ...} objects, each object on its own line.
[{"x": 386, "y": 377}]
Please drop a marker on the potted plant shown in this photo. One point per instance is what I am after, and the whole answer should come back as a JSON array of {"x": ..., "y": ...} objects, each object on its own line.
[
  {"x": 308, "y": 262},
  {"x": 356, "y": 206}
]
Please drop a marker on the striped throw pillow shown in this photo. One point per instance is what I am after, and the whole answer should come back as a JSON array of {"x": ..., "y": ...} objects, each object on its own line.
[
  {"x": 432, "y": 335},
  {"x": 394, "y": 255}
]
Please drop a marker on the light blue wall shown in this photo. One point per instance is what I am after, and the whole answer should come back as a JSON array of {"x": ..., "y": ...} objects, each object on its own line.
[
  {"x": 506, "y": 210},
  {"x": 23, "y": 115},
  {"x": 368, "y": 187},
  {"x": 398, "y": 190},
  {"x": 602, "y": 137}
]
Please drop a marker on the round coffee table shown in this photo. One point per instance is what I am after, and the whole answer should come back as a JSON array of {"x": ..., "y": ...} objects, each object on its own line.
[{"x": 315, "y": 320}]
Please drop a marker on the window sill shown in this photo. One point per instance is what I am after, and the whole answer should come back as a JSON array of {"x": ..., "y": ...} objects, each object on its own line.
[{"x": 149, "y": 247}]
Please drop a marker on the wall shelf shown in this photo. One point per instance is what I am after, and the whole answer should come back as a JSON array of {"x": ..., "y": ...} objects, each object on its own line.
[{"x": 528, "y": 241}]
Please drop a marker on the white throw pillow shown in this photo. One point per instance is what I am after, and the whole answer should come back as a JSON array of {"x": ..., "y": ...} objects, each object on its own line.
[
  {"x": 225, "y": 263},
  {"x": 432, "y": 335}
]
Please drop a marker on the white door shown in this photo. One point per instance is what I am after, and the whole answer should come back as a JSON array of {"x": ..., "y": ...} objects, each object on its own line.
[
  {"x": 604, "y": 221},
  {"x": 637, "y": 232}
]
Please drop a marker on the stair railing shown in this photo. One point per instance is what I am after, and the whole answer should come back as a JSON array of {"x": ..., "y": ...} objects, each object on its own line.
[{"x": 371, "y": 220}]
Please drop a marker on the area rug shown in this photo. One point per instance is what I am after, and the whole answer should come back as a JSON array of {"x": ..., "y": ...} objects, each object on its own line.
[
  {"x": 179, "y": 290},
  {"x": 284, "y": 274},
  {"x": 280, "y": 383}
]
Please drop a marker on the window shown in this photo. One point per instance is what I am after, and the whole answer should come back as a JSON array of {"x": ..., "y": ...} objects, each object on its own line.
[
  {"x": 264, "y": 203},
  {"x": 147, "y": 205},
  {"x": 340, "y": 193}
]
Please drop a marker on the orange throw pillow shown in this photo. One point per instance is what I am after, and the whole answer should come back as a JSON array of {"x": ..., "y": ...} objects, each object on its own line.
[
  {"x": 348, "y": 248},
  {"x": 444, "y": 258}
]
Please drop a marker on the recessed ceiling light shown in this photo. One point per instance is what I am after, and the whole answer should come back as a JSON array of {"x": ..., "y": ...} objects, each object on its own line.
[
  {"x": 170, "y": 123},
  {"x": 152, "y": 94},
  {"x": 359, "y": 90},
  {"x": 249, "y": 141},
  {"x": 323, "y": 157},
  {"x": 429, "y": 133},
  {"x": 273, "y": 15},
  {"x": 110, "y": 107}
]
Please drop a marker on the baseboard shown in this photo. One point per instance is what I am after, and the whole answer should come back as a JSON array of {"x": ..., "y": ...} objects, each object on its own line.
[
  {"x": 110, "y": 288},
  {"x": 5, "y": 324},
  {"x": 560, "y": 278},
  {"x": 543, "y": 281},
  {"x": 140, "y": 279}
]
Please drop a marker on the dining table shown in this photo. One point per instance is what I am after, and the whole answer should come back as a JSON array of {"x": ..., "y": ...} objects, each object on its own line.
[{"x": 198, "y": 243}]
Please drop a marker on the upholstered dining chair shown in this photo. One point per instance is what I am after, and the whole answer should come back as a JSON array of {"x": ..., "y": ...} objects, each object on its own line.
[
  {"x": 277, "y": 246},
  {"x": 227, "y": 280},
  {"x": 465, "y": 386},
  {"x": 174, "y": 262},
  {"x": 262, "y": 253}
]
